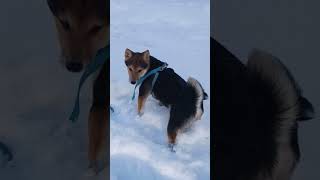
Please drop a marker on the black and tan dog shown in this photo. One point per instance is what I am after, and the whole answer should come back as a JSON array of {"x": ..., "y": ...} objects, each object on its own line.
[
  {"x": 83, "y": 28},
  {"x": 184, "y": 98},
  {"x": 256, "y": 110}
]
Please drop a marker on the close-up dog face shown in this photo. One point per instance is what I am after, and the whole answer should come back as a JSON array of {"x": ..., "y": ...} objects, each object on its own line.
[
  {"x": 82, "y": 27},
  {"x": 137, "y": 64}
]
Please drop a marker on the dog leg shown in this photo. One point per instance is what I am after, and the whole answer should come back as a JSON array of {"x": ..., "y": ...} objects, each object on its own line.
[
  {"x": 144, "y": 92},
  {"x": 178, "y": 120},
  {"x": 172, "y": 140},
  {"x": 172, "y": 129},
  {"x": 99, "y": 122},
  {"x": 141, "y": 102},
  {"x": 97, "y": 135}
]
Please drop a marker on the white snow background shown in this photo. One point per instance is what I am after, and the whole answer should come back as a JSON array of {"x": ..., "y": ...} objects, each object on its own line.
[
  {"x": 177, "y": 32},
  {"x": 37, "y": 94}
]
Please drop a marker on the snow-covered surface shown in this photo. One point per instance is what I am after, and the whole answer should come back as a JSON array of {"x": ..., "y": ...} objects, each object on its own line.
[
  {"x": 37, "y": 94},
  {"x": 177, "y": 32}
]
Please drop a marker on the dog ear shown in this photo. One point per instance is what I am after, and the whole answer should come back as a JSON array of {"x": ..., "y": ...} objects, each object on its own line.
[
  {"x": 146, "y": 56},
  {"x": 127, "y": 54}
]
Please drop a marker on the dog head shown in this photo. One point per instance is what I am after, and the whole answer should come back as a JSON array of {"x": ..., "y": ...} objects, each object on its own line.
[
  {"x": 137, "y": 64},
  {"x": 82, "y": 27}
]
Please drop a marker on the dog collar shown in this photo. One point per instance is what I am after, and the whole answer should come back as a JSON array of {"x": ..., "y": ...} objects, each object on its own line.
[
  {"x": 101, "y": 57},
  {"x": 154, "y": 72}
]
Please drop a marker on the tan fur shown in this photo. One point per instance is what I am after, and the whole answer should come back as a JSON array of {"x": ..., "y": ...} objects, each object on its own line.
[
  {"x": 83, "y": 28},
  {"x": 87, "y": 33},
  {"x": 172, "y": 137},
  {"x": 136, "y": 60},
  {"x": 97, "y": 133},
  {"x": 141, "y": 102}
]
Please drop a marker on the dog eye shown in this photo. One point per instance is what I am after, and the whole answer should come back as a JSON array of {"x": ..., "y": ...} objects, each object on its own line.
[
  {"x": 139, "y": 71},
  {"x": 95, "y": 29},
  {"x": 65, "y": 25},
  {"x": 130, "y": 69}
]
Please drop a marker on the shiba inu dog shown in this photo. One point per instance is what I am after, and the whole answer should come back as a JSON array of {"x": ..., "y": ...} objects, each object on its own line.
[
  {"x": 256, "y": 110},
  {"x": 83, "y": 28},
  {"x": 185, "y": 99}
]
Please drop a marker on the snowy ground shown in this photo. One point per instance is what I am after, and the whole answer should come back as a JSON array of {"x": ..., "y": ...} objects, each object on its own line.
[
  {"x": 37, "y": 94},
  {"x": 175, "y": 31}
]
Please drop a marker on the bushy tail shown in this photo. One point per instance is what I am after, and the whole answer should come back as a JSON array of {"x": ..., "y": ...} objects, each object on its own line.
[
  {"x": 200, "y": 96},
  {"x": 279, "y": 89}
]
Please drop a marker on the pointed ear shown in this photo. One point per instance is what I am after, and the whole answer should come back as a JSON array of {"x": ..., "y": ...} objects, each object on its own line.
[
  {"x": 146, "y": 56},
  {"x": 127, "y": 54}
]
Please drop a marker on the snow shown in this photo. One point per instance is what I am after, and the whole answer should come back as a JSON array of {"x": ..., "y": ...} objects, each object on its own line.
[
  {"x": 37, "y": 94},
  {"x": 177, "y": 32}
]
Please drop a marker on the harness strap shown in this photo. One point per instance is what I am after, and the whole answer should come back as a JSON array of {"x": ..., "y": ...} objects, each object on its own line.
[
  {"x": 101, "y": 57},
  {"x": 154, "y": 79},
  {"x": 154, "y": 72}
]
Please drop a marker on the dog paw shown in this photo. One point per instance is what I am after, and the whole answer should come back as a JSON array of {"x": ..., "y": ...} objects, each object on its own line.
[
  {"x": 111, "y": 109},
  {"x": 96, "y": 167},
  {"x": 140, "y": 113},
  {"x": 92, "y": 170},
  {"x": 172, "y": 148}
]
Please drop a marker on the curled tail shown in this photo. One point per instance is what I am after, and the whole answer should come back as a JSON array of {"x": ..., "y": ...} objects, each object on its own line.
[
  {"x": 200, "y": 96},
  {"x": 279, "y": 89},
  {"x": 280, "y": 106}
]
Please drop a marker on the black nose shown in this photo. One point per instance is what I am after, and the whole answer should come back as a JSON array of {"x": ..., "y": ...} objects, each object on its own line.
[
  {"x": 74, "y": 67},
  {"x": 133, "y": 82}
]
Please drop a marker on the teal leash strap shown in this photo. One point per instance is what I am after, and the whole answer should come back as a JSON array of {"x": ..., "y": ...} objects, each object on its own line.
[
  {"x": 154, "y": 79},
  {"x": 154, "y": 71},
  {"x": 101, "y": 57}
]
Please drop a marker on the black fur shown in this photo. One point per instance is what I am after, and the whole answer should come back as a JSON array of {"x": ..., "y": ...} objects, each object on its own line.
[
  {"x": 101, "y": 7},
  {"x": 171, "y": 90},
  {"x": 6, "y": 152},
  {"x": 244, "y": 122}
]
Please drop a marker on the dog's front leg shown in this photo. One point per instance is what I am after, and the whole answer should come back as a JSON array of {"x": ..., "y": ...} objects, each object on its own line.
[
  {"x": 144, "y": 92},
  {"x": 97, "y": 135},
  {"x": 99, "y": 121}
]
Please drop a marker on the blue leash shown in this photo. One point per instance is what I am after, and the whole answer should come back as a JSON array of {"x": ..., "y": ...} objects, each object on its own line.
[
  {"x": 154, "y": 71},
  {"x": 101, "y": 57}
]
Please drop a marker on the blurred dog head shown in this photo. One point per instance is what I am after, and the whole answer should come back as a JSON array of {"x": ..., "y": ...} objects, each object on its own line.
[
  {"x": 137, "y": 64},
  {"x": 82, "y": 27}
]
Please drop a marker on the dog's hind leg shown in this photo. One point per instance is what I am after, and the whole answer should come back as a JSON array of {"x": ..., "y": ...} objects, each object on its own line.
[{"x": 178, "y": 119}]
